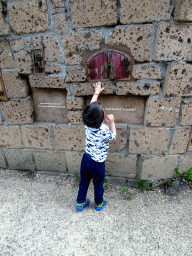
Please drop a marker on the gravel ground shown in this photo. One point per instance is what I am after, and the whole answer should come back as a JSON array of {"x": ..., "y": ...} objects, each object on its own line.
[{"x": 38, "y": 217}]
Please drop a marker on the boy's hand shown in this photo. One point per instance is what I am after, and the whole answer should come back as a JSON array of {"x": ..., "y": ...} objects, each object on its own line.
[
  {"x": 98, "y": 88},
  {"x": 109, "y": 118}
]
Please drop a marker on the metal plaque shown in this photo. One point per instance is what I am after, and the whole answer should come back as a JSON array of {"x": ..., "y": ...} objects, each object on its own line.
[
  {"x": 126, "y": 109},
  {"x": 50, "y": 105}
]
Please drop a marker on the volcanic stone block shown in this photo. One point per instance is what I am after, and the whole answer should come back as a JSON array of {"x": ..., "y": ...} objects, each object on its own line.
[
  {"x": 52, "y": 49},
  {"x": 78, "y": 42},
  {"x": 36, "y": 136},
  {"x": 85, "y": 89},
  {"x": 121, "y": 139},
  {"x": 14, "y": 85},
  {"x": 38, "y": 42},
  {"x": 75, "y": 75},
  {"x": 180, "y": 141},
  {"x": 157, "y": 167},
  {"x": 148, "y": 140},
  {"x": 28, "y": 43},
  {"x": 28, "y": 16},
  {"x": 52, "y": 68},
  {"x": 24, "y": 63},
  {"x": 173, "y": 42},
  {"x": 4, "y": 26},
  {"x": 186, "y": 112},
  {"x": 142, "y": 11},
  {"x": 46, "y": 81},
  {"x": 121, "y": 165},
  {"x": 57, "y": 3},
  {"x": 6, "y": 57},
  {"x": 183, "y": 10},
  {"x": 16, "y": 44},
  {"x": 178, "y": 80},
  {"x": 20, "y": 159},
  {"x": 75, "y": 103},
  {"x": 146, "y": 71},
  {"x": 18, "y": 111},
  {"x": 185, "y": 162},
  {"x": 137, "y": 39},
  {"x": 2, "y": 159},
  {"x": 137, "y": 88},
  {"x": 60, "y": 23},
  {"x": 73, "y": 161},
  {"x": 162, "y": 111},
  {"x": 70, "y": 138},
  {"x": 75, "y": 117},
  {"x": 50, "y": 161},
  {"x": 87, "y": 13},
  {"x": 10, "y": 137}
]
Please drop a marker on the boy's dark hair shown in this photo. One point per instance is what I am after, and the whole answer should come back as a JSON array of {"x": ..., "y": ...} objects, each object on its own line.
[{"x": 93, "y": 115}]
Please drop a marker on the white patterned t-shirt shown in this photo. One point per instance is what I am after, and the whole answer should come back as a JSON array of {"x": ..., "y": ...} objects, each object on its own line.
[{"x": 97, "y": 142}]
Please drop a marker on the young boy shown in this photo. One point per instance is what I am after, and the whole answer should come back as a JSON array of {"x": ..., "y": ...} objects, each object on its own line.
[{"x": 98, "y": 136}]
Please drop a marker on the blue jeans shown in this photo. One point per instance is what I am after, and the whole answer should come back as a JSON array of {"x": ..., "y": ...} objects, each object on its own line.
[{"x": 91, "y": 169}]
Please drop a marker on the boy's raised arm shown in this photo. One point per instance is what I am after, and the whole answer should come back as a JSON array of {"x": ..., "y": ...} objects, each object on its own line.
[{"x": 98, "y": 89}]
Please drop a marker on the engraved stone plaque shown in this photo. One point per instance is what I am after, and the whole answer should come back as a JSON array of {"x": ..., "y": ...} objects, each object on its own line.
[
  {"x": 50, "y": 105},
  {"x": 126, "y": 109}
]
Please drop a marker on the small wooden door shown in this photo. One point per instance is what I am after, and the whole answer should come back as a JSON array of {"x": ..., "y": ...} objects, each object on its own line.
[{"x": 109, "y": 65}]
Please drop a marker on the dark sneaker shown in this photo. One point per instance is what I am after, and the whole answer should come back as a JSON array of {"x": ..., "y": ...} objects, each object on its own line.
[
  {"x": 81, "y": 206},
  {"x": 100, "y": 206}
]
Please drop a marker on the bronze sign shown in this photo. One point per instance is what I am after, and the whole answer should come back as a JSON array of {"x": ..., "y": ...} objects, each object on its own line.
[
  {"x": 50, "y": 105},
  {"x": 125, "y": 109}
]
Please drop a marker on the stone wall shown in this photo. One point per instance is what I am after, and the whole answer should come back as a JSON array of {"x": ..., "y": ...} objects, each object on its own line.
[{"x": 158, "y": 36}]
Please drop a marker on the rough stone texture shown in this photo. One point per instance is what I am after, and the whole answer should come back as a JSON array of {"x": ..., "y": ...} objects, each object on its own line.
[
  {"x": 10, "y": 137},
  {"x": 137, "y": 88},
  {"x": 148, "y": 140},
  {"x": 24, "y": 63},
  {"x": 87, "y": 13},
  {"x": 186, "y": 113},
  {"x": 75, "y": 117},
  {"x": 60, "y": 23},
  {"x": 20, "y": 159},
  {"x": 85, "y": 89},
  {"x": 38, "y": 42},
  {"x": 52, "y": 49},
  {"x": 178, "y": 79},
  {"x": 50, "y": 161},
  {"x": 142, "y": 11},
  {"x": 157, "y": 167},
  {"x": 162, "y": 111},
  {"x": 75, "y": 75},
  {"x": 137, "y": 39},
  {"x": 146, "y": 71},
  {"x": 121, "y": 165},
  {"x": 73, "y": 161},
  {"x": 180, "y": 141},
  {"x": 57, "y": 3},
  {"x": 36, "y": 136},
  {"x": 46, "y": 81},
  {"x": 75, "y": 103},
  {"x": 4, "y": 26},
  {"x": 28, "y": 43},
  {"x": 18, "y": 111},
  {"x": 6, "y": 58},
  {"x": 76, "y": 43},
  {"x": 173, "y": 42},
  {"x": 2, "y": 159},
  {"x": 121, "y": 139},
  {"x": 14, "y": 85},
  {"x": 59, "y": 10},
  {"x": 28, "y": 16},
  {"x": 16, "y": 44},
  {"x": 183, "y": 10},
  {"x": 185, "y": 162},
  {"x": 70, "y": 138},
  {"x": 52, "y": 68}
]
